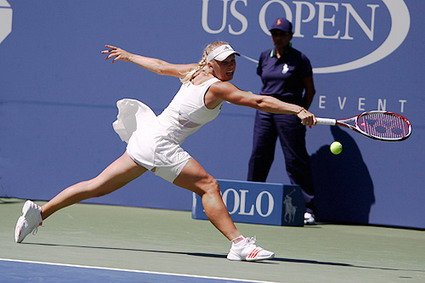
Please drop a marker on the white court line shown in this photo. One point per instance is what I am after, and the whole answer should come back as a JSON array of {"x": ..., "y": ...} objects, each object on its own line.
[{"x": 132, "y": 270}]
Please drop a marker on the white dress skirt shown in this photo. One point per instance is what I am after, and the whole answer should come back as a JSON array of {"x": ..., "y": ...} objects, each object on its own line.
[{"x": 147, "y": 142}]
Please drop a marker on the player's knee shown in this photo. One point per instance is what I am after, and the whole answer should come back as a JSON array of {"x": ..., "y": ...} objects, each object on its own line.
[{"x": 211, "y": 186}]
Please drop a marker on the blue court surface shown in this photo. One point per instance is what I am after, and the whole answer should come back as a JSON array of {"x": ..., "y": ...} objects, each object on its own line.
[{"x": 13, "y": 271}]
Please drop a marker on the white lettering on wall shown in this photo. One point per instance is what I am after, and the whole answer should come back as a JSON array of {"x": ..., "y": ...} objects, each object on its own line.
[
  {"x": 238, "y": 16},
  {"x": 262, "y": 15},
  {"x": 205, "y": 25},
  {"x": 235, "y": 202},
  {"x": 241, "y": 206},
  {"x": 322, "y": 101},
  {"x": 382, "y": 104},
  {"x": 233, "y": 11},
  {"x": 323, "y": 16},
  {"x": 322, "y": 20},
  {"x": 362, "y": 104},
  {"x": 258, "y": 202},
  {"x": 369, "y": 31},
  {"x": 298, "y": 16},
  {"x": 341, "y": 102},
  {"x": 402, "y": 102}
]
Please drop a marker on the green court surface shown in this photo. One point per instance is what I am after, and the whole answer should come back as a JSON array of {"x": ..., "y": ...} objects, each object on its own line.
[{"x": 172, "y": 242}]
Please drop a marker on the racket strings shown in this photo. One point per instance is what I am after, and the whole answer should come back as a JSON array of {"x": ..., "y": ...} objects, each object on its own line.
[{"x": 384, "y": 126}]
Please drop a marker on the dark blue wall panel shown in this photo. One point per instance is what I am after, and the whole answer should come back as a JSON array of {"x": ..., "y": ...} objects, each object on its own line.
[{"x": 57, "y": 95}]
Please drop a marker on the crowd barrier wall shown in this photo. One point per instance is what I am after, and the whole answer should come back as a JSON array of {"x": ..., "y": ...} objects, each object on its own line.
[{"x": 58, "y": 94}]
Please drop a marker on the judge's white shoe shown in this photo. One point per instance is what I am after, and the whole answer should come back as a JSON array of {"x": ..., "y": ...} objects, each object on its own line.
[{"x": 309, "y": 218}]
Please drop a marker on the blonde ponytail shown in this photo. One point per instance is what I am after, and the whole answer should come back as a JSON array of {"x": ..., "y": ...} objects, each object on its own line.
[{"x": 202, "y": 64}]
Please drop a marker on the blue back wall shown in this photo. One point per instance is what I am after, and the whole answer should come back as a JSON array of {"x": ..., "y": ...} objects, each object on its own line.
[{"x": 57, "y": 95}]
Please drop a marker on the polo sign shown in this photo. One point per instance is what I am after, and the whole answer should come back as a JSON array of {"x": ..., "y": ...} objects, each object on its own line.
[{"x": 260, "y": 203}]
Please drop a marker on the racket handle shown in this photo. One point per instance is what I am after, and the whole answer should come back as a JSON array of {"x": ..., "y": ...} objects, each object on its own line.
[{"x": 326, "y": 121}]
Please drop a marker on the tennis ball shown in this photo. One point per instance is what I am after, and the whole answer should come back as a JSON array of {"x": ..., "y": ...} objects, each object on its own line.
[{"x": 336, "y": 147}]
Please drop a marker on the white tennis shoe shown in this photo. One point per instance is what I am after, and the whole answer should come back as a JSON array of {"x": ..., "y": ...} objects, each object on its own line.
[
  {"x": 29, "y": 221},
  {"x": 309, "y": 218},
  {"x": 249, "y": 251}
]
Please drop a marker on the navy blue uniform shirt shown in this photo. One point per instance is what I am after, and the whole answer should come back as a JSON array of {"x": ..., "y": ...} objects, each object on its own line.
[{"x": 283, "y": 77}]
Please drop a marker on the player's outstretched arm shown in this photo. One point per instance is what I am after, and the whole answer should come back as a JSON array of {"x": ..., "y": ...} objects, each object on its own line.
[
  {"x": 229, "y": 92},
  {"x": 155, "y": 65}
]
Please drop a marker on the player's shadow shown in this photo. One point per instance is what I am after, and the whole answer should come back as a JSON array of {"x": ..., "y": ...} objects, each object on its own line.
[
  {"x": 220, "y": 256},
  {"x": 343, "y": 186}
]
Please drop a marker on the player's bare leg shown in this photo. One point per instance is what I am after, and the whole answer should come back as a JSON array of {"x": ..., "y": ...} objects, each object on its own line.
[
  {"x": 194, "y": 178},
  {"x": 116, "y": 175}
]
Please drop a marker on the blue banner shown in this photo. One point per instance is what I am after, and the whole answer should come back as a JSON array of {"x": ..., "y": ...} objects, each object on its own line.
[
  {"x": 57, "y": 95},
  {"x": 259, "y": 203}
]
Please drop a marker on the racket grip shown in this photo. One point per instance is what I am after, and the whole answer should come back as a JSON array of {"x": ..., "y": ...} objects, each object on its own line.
[{"x": 326, "y": 121}]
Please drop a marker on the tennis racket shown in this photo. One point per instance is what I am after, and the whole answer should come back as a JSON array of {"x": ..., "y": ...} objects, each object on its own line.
[{"x": 379, "y": 125}]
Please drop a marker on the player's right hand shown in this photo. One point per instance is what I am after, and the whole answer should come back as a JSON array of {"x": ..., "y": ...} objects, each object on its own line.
[
  {"x": 307, "y": 118},
  {"x": 116, "y": 53}
]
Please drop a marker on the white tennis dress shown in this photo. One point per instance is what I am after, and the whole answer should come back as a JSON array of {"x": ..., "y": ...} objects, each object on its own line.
[{"x": 154, "y": 141}]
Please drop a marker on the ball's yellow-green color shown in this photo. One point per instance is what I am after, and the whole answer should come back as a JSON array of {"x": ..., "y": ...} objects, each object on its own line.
[{"x": 336, "y": 147}]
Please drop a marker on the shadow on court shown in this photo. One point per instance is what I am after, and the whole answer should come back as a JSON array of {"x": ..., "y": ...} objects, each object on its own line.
[
  {"x": 211, "y": 255},
  {"x": 11, "y": 201},
  {"x": 343, "y": 185},
  {"x": 161, "y": 241}
]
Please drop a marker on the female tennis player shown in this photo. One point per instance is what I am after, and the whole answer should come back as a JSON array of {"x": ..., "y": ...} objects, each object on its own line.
[{"x": 154, "y": 141}]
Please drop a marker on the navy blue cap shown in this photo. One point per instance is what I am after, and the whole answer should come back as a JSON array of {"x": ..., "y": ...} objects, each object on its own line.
[{"x": 281, "y": 24}]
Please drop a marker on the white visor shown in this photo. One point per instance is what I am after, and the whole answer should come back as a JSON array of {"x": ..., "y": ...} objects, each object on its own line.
[{"x": 221, "y": 53}]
